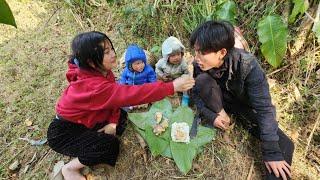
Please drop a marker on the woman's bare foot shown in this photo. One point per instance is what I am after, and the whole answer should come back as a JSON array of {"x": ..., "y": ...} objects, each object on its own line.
[{"x": 71, "y": 171}]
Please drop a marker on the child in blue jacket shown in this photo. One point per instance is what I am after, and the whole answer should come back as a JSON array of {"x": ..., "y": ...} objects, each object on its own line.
[{"x": 137, "y": 71}]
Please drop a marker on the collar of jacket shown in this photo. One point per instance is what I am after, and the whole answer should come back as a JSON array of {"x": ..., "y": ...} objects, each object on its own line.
[{"x": 229, "y": 65}]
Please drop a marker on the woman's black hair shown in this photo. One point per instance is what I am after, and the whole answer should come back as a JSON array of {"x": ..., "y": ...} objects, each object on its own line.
[
  {"x": 212, "y": 36},
  {"x": 88, "y": 50}
]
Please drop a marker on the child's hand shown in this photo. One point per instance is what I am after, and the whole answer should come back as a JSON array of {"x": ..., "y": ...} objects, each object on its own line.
[
  {"x": 109, "y": 129},
  {"x": 183, "y": 83},
  {"x": 166, "y": 78}
]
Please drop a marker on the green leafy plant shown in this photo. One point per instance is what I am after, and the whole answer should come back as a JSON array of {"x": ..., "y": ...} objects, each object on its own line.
[
  {"x": 83, "y": 7},
  {"x": 227, "y": 11},
  {"x": 182, "y": 153},
  {"x": 6, "y": 16},
  {"x": 198, "y": 14},
  {"x": 300, "y": 7},
  {"x": 206, "y": 10},
  {"x": 273, "y": 32}
]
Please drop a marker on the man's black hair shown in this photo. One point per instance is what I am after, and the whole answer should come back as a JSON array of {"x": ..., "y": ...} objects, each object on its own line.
[
  {"x": 88, "y": 49},
  {"x": 212, "y": 36}
]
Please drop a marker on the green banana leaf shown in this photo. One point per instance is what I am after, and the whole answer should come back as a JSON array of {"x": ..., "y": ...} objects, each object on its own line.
[
  {"x": 167, "y": 152},
  {"x": 182, "y": 114},
  {"x": 139, "y": 119},
  {"x": 156, "y": 144},
  {"x": 273, "y": 32},
  {"x": 182, "y": 153},
  {"x": 163, "y": 106}
]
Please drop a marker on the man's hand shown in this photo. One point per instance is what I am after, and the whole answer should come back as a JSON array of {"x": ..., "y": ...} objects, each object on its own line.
[
  {"x": 109, "y": 129},
  {"x": 279, "y": 168},
  {"x": 222, "y": 121}
]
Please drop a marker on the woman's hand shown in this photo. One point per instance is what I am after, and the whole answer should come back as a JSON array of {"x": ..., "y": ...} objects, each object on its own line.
[
  {"x": 183, "y": 83},
  {"x": 109, "y": 129},
  {"x": 279, "y": 168}
]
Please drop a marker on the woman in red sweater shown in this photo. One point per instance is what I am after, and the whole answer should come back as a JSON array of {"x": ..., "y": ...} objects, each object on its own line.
[{"x": 88, "y": 112}]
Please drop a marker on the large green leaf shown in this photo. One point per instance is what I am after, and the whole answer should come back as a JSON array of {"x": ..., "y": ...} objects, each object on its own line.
[
  {"x": 273, "y": 32},
  {"x": 182, "y": 114},
  {"x": 167, "y": 152},
  {"x": 163, "y": 106},
  {"x": 205, "y": 135},
  {"x": 156, "y": 144},
  {"x": 140, "y": 131},
  {"x": 300, "y": 6},
  {"x": 144, "y": 119},
  {"x": 138, "y": 119},
  {"x": 227, "y": 11},
  {"x": 183, "y": 154},
  {"x": 6, "y": 16},
  {"x": 316, "y": 30}
]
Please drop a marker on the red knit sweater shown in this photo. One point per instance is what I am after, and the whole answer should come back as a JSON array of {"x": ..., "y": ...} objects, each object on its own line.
[{"x": 92, "y": 98}]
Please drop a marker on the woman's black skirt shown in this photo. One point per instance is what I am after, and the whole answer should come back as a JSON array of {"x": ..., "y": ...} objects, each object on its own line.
[{"x": 88, "y": 145}]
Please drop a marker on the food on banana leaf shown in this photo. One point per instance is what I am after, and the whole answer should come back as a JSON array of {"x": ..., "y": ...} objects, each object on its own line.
[
  {"x": 158, "y": 117},
  {"x": 180, "y": 132},
  {"x": 158, "y": 129},
  {"x": 165, "y": 123}
]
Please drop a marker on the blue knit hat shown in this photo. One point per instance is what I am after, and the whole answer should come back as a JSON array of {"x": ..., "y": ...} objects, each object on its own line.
[{"x": 133, "y": 53}]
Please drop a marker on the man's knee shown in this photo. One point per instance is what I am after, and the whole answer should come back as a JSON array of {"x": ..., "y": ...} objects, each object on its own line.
[{"x": 204, "y": 80}]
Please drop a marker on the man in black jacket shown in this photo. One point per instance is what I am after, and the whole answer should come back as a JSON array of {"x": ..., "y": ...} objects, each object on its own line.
[{"x": 230, "y": 80}]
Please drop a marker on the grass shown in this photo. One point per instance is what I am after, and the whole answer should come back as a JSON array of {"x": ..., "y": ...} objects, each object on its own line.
[{"x": 33, "y": 64}]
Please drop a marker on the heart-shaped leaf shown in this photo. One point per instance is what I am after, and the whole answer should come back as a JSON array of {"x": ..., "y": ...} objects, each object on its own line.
[{"x": 273, "y": 32}]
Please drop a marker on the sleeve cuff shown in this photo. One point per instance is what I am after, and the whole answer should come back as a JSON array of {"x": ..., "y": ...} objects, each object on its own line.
[{"x": 271, "y": 151}]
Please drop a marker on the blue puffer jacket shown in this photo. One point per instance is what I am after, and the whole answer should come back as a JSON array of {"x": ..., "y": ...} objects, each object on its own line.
[{"x": 131, "y": 77}]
